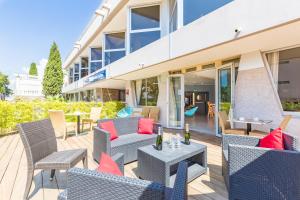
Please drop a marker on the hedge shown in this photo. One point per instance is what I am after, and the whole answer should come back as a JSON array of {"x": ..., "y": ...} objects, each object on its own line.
[{"x": 12, "y": 113}]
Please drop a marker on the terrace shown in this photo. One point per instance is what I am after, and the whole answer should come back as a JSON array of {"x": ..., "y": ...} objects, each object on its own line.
[{"x": 13, "y": 169}]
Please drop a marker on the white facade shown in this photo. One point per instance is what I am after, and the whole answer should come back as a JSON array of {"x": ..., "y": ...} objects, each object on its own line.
[
  {"x": 26, "y": 86},
  {"x": 240, "y": 29}
]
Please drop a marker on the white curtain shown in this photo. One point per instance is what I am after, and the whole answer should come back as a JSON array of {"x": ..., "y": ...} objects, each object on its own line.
[
  {"x": 138, "y": 90},
  {"x": 133, "y": 93},
  {"x": 273, "y": 60}
]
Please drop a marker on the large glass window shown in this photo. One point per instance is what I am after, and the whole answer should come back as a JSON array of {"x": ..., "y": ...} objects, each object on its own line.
[
  {"x": 84, "y": 71},
  {"x": 144, "y": 26},
  {"x": 71, "y": 74},
  {"x": 194, "y": 9},
  {"x": 114, "y": 47},
  {"x": 76, "y": 72},
  {"x": 285, "y": 68},
  {"x": 95, "y": 59},
  {"x": 146, "y": 91}
]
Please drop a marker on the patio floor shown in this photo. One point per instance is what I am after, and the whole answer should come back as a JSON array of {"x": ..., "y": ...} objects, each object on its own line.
[{"x": 13, "y": 170}]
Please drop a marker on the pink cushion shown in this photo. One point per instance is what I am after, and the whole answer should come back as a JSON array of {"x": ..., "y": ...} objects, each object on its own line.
[
  {"x": 108, "y": 165},
  {"x": 273, "y": 140},
  {"x": 109, "y": 127},
  {"x": 145, "y": 126}
]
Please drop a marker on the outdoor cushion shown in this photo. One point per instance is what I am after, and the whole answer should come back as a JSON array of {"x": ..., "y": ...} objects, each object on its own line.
[
  {"x": 108, "y": 165},
  {"x": 130, "y": 139},
  {"x": 145, "y": 126},
  {"x": 109, "y": 127},
  {"x": 273, "y": 140}
]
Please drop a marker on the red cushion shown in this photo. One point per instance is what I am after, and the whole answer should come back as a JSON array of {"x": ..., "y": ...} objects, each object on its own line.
[
  {"x": 109, "y": 127},
  {"x": 145, "y": 126},
  {"x": 108, "y": 165},
  {"x": 273, "y": 140}
]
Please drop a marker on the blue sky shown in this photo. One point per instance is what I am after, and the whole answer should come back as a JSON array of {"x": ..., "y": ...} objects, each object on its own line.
[{"x": 28, "y": 28}]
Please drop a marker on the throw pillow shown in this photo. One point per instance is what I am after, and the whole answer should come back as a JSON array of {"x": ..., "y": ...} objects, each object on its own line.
[
  {"x": 109, "y": 127},
  {"x": 273, "y": 140},
  {"x": 108, "y": 165},
  {"x": 145, "y": 126}
]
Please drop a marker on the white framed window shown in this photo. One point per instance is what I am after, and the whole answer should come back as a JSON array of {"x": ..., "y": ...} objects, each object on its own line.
[
  {"x": 114, "y": 47},
  {"x": 173, "y": 26},
  {"x": 95, "y": 59},
  {"x": 144, "y": 26},
  {"x": 84, "y": 67},
  {"x": 76, "y": 72},
  {"x": 285, "y": 69}
]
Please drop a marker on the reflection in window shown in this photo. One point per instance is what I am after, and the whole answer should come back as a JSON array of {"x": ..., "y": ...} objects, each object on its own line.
[
  {"x": 96, "y": 59},
  {"x": 147, "y": 91},
  {"x": 114, "y": 47},
  {"x": 194, "y": 9},
  {"x": 285, "y": 68},
  {"x": 84, "y": 67},
  {"x": 144, "y": 27},
  {"x": 173, "y": 16},
  {"x": 76, "y": 72}
]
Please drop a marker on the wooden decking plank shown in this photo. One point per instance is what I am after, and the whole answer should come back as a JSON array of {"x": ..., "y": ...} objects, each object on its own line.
[{"x": 5, "y": 146}]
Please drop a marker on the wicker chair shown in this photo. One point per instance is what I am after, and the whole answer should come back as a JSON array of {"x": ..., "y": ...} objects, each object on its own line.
[
  {"x": 41, "y": 151},
  {"x": 61, "y": 127},
  {"x": 154, "y": 113},
  {"x": 226, "y": 127},
  {"x": 282, "y": 125},
  {"x": 94, "y": 116},
  {"x": 251, "y": 172},
  {"x": 91, "y": 185}
]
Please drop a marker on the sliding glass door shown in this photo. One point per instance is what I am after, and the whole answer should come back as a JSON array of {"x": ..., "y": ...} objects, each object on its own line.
[
  {"x": 226, "y": 76},
  {"x": 175, "y": 101}
]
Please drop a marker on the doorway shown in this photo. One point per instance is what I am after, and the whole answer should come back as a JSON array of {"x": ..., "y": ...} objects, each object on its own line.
[{"x": 199, "y": 100}]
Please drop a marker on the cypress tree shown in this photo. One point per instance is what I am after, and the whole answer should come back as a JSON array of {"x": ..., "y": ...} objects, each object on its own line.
[
  {"x": 53, "y": 76},
  {"x": 33, "y": 70}
]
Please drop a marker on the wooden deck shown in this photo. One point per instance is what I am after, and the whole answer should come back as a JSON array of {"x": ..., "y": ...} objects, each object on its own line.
[{"x": 13, "y": 170}]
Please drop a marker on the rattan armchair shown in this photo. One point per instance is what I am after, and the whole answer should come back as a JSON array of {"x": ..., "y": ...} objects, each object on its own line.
[
  {"x": 91, "y": 185},
  {"x": 251, "y": 172},
  {"x": 41, "y": 151}
]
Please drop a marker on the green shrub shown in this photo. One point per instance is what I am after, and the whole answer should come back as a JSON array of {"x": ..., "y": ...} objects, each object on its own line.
[{"x": 12, "y": 113}]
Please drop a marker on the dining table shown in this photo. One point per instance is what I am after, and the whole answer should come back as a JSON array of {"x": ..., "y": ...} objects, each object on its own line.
[
  {"x": 78, "y": 114},
  {"x": 250, "y": 121}
]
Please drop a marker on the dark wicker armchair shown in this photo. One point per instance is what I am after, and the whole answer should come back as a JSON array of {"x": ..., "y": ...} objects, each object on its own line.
[{"x": 251, "y": 172}]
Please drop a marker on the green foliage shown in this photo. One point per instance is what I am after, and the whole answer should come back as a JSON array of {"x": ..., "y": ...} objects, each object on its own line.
[
  {"x": 291, "y": 106},
  {"x": 4, "y": 89},
  {"x": 33, "y": 70},
  {"x": 53, "y": 76},
  {"x": 12, "y": 113}
]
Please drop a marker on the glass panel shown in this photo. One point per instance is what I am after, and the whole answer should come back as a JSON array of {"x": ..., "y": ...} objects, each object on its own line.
[
  {"x": 145, "y": 17},
  {"x": 139, "y": 40},
  {"x": 71, "y": 75},
  {"x": 115, "y": 41},
  {"x": 175, "y": 97},
  {"x": 76, "y": 77},
  {"x": 174, "y": 19},
  {"x": 194, "y": 9},
  {"x": 143, "y": 99},
  {"x": 96, "y": 53},
  {"x": 84, "y": 67},
  {"x": 152, "y": 91},
  {"x": 95, "y": 66},
  {"x": 113, "y": 56},
  {"x": 288, "y": 79},
  {"x": 76, "y": 68},
  {"x": 225, "y": 89}
]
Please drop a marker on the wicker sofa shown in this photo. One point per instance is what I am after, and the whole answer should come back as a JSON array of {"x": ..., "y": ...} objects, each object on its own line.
[
  {"x": 86, "y": 184},
  {"x": 251, "y": 172},
  {"x": 127, "y": 143}
]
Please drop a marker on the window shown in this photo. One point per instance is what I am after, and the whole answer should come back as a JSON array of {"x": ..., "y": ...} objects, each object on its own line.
[
  {"x": 146, "y": 91},
  {"x": 194, "y": 9},
  {"x": 71, "y": 74},
  {"x": 144, "y": 26},
  {"x": 285, "y": 68},
  {"x": 173, "y": 16},
  {"x": 76, "y": 72},
  {"x": 84, "y": 67},
  {"x": 114, "y": 47},
  {"x": 95, "y": 59}
]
